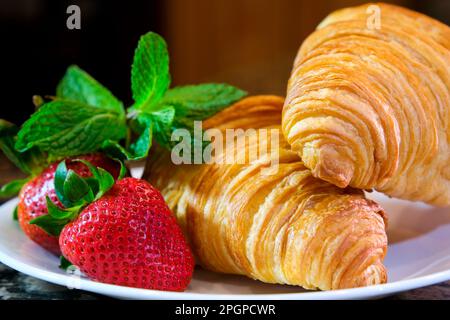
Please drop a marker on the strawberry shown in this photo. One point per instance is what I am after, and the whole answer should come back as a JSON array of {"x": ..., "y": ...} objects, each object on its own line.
[
  {"x": 129, "y": 237},
  {"x": 32, "y": 197}
]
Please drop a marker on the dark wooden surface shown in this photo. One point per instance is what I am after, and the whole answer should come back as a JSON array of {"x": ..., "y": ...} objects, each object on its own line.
[{"x": 15, "y": 285}]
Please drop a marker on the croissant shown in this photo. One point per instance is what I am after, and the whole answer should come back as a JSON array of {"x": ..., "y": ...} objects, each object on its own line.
[
  {"x": 284, "y": 226},
  {"x": 368, "y": 106}
]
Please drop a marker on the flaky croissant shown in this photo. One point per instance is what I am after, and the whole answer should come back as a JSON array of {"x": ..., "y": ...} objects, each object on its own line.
[
  {"x": 282, "y": 226},
  {"x": 368, "y": 106}
]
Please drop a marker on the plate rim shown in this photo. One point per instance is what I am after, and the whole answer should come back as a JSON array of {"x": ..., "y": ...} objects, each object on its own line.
[{"x": 373, "y": 291}]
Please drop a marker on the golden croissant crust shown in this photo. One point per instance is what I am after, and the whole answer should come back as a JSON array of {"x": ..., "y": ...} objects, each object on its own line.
[
  {"x": 369, "y": 107},
  {"x": 286, "y": 227}
]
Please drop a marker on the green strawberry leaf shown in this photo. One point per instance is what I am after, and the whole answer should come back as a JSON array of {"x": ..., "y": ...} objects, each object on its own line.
[
  {"x": 56, "y": 219},
  {"x": 75, "y": 193},
  {"x": 76, "y": 189},
  {"x": 61, "y": 213},
  {"x": 50, "y": 225},
  {"x": 77, "y": 85},
  {"x": 199, "y": 102},
  {"x": 60, "y": 178},
  {"x": 15, "y": 213},
  {"x": 65, "y": 128},
  {"x": 104, "y": 179},
  {"x": 12, "y": 188},
  {"x": 64, "y": 263},
  {"x": 150, "y": 76}
]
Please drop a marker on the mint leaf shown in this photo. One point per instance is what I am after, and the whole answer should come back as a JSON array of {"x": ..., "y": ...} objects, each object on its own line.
[
  {"x": 7, "y": 128},
  {"x": 78, "y": 85},
  {"x": 7, "y": 141},
  {"x": 29, "y": 162},
  {"x": 163, "y": 125},
  {"x": 150, "y": 76},
  {"x": 65, "y": 128},
  {"x": 138, "y": 149},
  {"x": 115, "y": 150},
  {"x": 12, "y": 188},
  {"x": 199, "y": 102},
  {"x": 123, "y": 171}
]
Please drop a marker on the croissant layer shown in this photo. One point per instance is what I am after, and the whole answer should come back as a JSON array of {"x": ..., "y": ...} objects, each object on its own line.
[
  {"x": 368, "y": 105},
  {"x": 277, "y": 224}
]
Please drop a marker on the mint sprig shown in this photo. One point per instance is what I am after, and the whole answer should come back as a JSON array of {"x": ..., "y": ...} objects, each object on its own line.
[
  {"x": 78, "y": 85},
  {"x": 164, "y": 110},
  {"x": 28, "y": 162},
  {"x": 85, "y": 116},
  {"x": 75, "y": 193}
]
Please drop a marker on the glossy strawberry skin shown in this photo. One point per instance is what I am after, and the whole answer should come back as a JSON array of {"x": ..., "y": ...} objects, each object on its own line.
[
  {"x": 32, "y": 202},
  {"x": 129, "y": 237}
]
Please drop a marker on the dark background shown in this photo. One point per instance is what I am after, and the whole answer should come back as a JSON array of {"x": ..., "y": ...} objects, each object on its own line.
[{"x": 248, "y": 43}]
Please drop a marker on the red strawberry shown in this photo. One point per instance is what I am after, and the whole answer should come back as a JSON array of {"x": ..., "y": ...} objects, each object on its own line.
[
  {"x": 32, "y": 201},
  {"x": 129, "y": 237}
]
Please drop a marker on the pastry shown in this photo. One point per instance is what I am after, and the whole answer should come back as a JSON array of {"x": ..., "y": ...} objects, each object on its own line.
[
  {"x": 368, "y": 106},
  {"x": 274, "y": 223}
]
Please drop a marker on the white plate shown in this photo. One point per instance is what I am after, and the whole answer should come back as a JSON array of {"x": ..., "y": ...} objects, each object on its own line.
[{"x": 418, "y": 255}]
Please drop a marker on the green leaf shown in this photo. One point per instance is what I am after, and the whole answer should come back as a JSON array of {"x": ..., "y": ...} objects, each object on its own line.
[
  {"x": 76, "y": 189},
  {"x": 15, "y": 213},
  {"x": 143, "y": 126},
  {"x": 60, "y": 213},
  {"x": 139, "y": 148},
  {"x": 199, "y": 102},
  {"x": 12, "y": 188},
  {"x": 78, "y": 85},
  {"x": 104, "y": 179},
  {"x": 56, "y": 219},
  {"x": 64, "y": 263},
  {"x": 123, "y": 170},
  {"x": 163, "y": 125},
  {"x": 93, "y": 184},
  {"x": 150, "y": 76},
  {"x": 49, "y": 224},
  {"x": 60, "y": 177},
  {"x": 65, "y": 128},
  {"x": 7, "y": 128},
  {"x": 115, "y": 150},
  {"x": 28, "y": 162}
]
